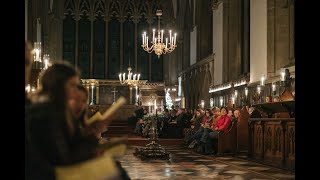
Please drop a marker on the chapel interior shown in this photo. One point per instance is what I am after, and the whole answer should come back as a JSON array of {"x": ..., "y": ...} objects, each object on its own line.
[{"x": 172, "y": 59}]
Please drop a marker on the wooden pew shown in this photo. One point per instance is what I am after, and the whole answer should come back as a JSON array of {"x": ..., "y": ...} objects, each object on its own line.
[
  {"x": 242, "y": 132},
  {"x": 227, "y": 142}
]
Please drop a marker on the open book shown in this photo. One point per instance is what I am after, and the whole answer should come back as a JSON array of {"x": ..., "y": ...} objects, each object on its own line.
[{"x": 107, "y": 113}]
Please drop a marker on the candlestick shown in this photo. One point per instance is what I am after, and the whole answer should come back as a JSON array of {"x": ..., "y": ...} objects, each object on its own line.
[
  {"x": 246, "y": 91},
  {"x": 262, "y": 80},
  {"x": 92, "y": 87},
  {"x": 282, "y": 73},
  {"x": 273, "y": 87},
  {"x": 120, "y": 77},
  {"x": 153, "y": 33}
]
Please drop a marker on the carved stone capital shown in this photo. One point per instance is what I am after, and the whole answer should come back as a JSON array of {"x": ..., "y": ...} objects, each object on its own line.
[{"x": 215, "y": 4}]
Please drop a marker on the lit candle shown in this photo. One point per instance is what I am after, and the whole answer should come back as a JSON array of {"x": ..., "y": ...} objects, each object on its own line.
[
  {"x": 262, "y": 80},
  {"x": 166, "y": 42},
  {"x": 170, "y": 36},
  {"x": 138, "y": 77},
  {"x": 134, "y": 76},
  {"x": 282, "y": 75},
  {"x": 92, "y": 87},
  {"x": 221, "y": 101},
  {"x": 233, "y": 100},
  {"x": 28, "y": 88},
  {"x": 246, "y": 91},
  {"x": 155, "y": 105},
  {"x": 123, "y": 76},
  {"x": 120, "y": 77},
  {"x": 155, "y": 40},
  {"x": 149, "y": 107},
  {"x": 153, "y": 33},
  {"x": 161, "y": 36},
  {"x": 273, "y": 87},
  {"x": 175, "y": 38},
  {"x": 46, "y": 63},
  {"x": 147, "y": 41},
  {"x": 142, "y": 38},
  {"x": 259, "y": 89},
  {"x": 236, "y": 93}
]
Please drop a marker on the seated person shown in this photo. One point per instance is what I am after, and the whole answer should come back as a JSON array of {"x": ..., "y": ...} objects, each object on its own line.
[
  {"x": 222, "y": 125},
  {"x": 202, "y": 133}
]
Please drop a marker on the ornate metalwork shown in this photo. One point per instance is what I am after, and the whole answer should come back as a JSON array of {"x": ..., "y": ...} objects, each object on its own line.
[{"x": 153, "y": 150}]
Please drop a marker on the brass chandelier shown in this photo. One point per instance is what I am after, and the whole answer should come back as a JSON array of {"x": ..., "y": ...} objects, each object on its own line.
[{"x": 157, "y": 44}]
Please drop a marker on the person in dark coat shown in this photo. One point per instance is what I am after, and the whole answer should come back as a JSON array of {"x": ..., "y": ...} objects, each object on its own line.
[{"x": 36, "y": 166}]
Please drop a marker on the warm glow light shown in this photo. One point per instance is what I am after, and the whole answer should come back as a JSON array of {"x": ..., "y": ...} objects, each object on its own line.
[
  {"x": 130, "y": 79},
  {"x": 262, "y": 80},
  {"x": 259, "y": 89},
  {"x": 282, "y": 73},
  {"x": 157, "y": 43},
  {"x": 246, "y": 91},
  {"x": 273, "y": 87}
]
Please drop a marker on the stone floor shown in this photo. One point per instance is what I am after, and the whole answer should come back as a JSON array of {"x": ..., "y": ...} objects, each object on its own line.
[{"x": 186, "y": 164}]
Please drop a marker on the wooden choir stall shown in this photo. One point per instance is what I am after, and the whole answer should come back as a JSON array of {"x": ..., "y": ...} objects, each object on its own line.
[{"x": 272, "y": 136}]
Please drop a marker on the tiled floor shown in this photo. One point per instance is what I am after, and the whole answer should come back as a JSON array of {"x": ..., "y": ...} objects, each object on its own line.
[{"x": 185, "y": 164}]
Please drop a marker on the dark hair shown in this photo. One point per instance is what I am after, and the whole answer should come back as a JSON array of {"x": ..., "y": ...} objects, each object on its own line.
[
  {"x": 83, "y": 89},
  {"x": 224, "y": 107},
  {"x": 209, "y": 111},
  {"x": 53, "y": 80},
  {"x": 52, "y": 86}
]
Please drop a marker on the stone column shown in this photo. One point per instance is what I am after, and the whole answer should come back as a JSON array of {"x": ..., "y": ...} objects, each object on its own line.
[
  {"x": 258, "y": 39},
  {"x": 217, "y": 9}
]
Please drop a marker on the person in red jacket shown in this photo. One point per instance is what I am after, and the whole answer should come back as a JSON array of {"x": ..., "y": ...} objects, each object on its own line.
[
  {"x": 222, "y": 125},
  {"x": 224, "y": 121}
]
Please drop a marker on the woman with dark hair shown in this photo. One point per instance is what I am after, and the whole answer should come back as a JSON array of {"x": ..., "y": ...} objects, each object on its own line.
[
  {"x": 202, "y": 132},
  {"x": 222, "y": 125},
  {"x": 36, "y": 167},
  {"x": 53, "y": 129}
]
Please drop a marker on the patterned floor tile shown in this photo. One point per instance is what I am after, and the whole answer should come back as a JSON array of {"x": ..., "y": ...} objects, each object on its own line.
[
  {"x": 259, "y": 168},
  {"x": 185, "y": 164},
  {"x": 238, "y": 162},
  {"x": 224, "y": 158},
  {"x": 284, "y": 176},
  {"x": 203, "y": 160},
  {"x": 236, "y": 172},
  {"x": 218, "y": 165}
]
